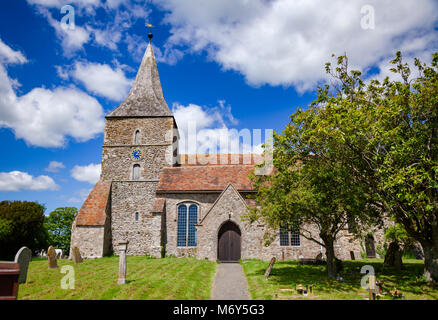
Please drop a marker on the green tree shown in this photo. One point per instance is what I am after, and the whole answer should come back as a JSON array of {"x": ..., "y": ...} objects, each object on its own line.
[
  {"x": 384, "y": 135},
  {"x": 388, "y": 132},
  {"x": 58, "y": 223},
  {"x": 308, "y": 190},
  {"x": 21, "y": 224}
]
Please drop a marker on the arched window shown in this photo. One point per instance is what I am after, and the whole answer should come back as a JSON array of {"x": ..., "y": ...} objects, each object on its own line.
[
  {"x": 186, "y": 232},
  {"x": 137, "y": 137},
  {"x": 136, "y": 216},
  {"x": 136, "y": 172}
]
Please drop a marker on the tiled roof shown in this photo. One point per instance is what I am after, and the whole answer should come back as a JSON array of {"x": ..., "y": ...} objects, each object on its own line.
[
  {"x": 220, "y": 159},
  {"x": 92, "y": 212},
  {"x": 205, "y": 178},
  {"x": 158, "y": 205}
]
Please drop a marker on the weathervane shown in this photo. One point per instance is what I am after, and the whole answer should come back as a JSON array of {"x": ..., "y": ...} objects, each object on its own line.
[{"x": 150, "y": 30}]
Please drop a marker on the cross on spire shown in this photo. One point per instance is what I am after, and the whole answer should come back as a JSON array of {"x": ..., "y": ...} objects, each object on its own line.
[
  {"x": 150, "y": 35},
  {"x": 145, "y": 99}
]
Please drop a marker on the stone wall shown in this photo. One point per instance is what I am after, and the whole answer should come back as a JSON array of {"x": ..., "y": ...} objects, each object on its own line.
[
  {"x": 121, "y": 131},
  {"x": 144, "y": 235},
  {"x": 204, "y": 202},
  {"x": 155, "y": 143},
  {"x": 257, "y": 240},
  {"x": 93, "y": 241},
  {"x": 130, "y": 196},
  {"x": 90, "y": 240}
]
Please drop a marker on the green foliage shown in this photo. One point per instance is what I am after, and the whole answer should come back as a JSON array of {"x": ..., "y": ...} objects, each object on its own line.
[
  {"x": 359, "y": 150},
  {"x": 389, "y": 132},
  {"x": 58, "y": 224},
  {"x": 397, "y": 233},
  {"x": 381, "y": 250},
  {"x": 21, "y": 224}
]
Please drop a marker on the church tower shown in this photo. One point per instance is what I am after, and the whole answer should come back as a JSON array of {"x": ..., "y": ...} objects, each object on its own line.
[{"x": 140, "y": 139}]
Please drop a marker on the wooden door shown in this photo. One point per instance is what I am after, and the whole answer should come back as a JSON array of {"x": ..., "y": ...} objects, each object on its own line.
[
  {"x": 370, "y": 247},
  {"x": 229, "y": 243}
]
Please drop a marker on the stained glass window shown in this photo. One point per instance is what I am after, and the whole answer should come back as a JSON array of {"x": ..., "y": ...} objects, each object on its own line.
[
  {"x": 182, "y": 226},
  {"x": 186, "y": 225},
  {"x": 193, "y": 218}
]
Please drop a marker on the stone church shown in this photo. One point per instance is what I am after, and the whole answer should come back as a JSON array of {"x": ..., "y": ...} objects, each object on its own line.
[{"x": 170, "y": 204}]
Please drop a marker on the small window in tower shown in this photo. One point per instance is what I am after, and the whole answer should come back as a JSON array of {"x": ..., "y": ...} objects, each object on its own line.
[
  {"x": 136, "y": 172},
  {"x": 136, "y": 216},
  {"x": 137, "y": 137}
]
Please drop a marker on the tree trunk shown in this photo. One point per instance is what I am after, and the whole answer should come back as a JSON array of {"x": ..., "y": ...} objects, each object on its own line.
[
  {"x": 393, "y": 256},
  {"x": 430, "y": 263},
  {"x": 331, "y": 259}
]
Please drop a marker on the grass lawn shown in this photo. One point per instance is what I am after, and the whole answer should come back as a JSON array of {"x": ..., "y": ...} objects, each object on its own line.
[
  {"x": 286, "y": 274},
  {"x": 96, "y": 279}
]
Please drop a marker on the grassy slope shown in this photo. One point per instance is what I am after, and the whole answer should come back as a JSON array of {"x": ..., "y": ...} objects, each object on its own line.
[
  {"x": 168, "y": 278},
  {"x": 286, "y": 274}
]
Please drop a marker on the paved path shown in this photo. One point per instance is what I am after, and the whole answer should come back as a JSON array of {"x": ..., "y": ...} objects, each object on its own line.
[{"x": 230, "y": 283}]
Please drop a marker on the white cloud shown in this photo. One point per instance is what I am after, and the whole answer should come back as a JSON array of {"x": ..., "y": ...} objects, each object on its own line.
[
  {"x": 18, "y": 180},
  {"x": 72, "y": 40},
  {"x": 89, "y": 173},
  {"x": 8, "y": 55},
  {"x": 283, "y": 42},
  {"x": 119, "y": 17},
  {"x": 54, "y": 166},
  {"x": 206, "y": 130},
  {"x": 79, "y": 196},
  {"x": 45, "y": 118},
  {"x": 106, "y": 37},
  {"x": 102, "y": 80},
  {"x": 62, "y": 72}
]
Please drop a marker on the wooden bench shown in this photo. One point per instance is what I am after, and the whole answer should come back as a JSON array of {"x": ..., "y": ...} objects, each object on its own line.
[{"x": 9, "y": 272}]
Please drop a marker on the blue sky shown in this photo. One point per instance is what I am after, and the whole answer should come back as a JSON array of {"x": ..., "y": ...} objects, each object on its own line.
[{"x": 227, "y": 64}]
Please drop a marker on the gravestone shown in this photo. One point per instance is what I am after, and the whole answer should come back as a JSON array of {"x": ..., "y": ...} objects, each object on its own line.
[
  {"x": 76, "y": 255},
  {"x": 51, "y": 255},
  {"x": 23, "y": 258},
  {"x": 271, "y": 265},
  {"x": 122, "y": 262},
  {"x": 372, "y": 288}
]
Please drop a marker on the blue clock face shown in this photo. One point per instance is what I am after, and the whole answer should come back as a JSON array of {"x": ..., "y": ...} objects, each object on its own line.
[{"x": 136, "y": 154}]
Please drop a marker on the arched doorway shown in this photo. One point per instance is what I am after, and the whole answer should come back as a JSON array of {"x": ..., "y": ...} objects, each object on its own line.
[
  {"x": 228, "y": 245},
  {"x": 370, "y": 247}
]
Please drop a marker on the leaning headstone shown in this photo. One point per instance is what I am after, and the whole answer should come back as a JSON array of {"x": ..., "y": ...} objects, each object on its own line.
[
  {"x": 122, "y": 262},
  {"x": 76, "y": 255},
  {"x": 271, "y": 265},
  {"x": 23, "y": 258},
  {"x": 51, "y": 255}
]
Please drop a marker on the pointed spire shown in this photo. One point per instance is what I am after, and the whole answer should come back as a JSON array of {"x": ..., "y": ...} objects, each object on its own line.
[{"x": 146, "y": 96}]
